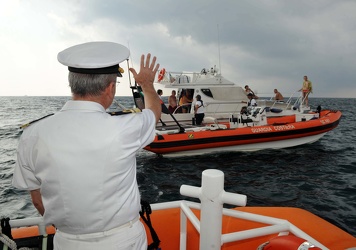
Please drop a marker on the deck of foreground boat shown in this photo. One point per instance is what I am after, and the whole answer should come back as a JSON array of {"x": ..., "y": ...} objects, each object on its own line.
[{"x": 208, "y": 225}]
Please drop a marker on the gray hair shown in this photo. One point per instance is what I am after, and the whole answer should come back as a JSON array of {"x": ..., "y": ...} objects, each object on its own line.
[{"x": 89, "y": 84}]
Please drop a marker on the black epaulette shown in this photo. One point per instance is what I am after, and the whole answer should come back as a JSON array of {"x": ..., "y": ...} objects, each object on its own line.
[
  {"x": 28, "y": 124},
  {"x": 125, "y": 112}
]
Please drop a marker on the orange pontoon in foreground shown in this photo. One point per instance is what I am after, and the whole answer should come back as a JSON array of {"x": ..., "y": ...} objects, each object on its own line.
[{"x": 182, "y": 225}]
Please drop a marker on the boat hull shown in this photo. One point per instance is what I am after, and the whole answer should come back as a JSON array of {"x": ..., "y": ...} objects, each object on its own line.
[
  {"x": 166, "y": 219},
  {"x": 327, "y": 234},
  {"x": 279, "y": 133}
]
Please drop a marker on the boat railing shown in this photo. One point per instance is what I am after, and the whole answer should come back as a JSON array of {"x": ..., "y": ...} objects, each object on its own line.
[
  {"x": 178, "y": 108},
  {"x": 222, "y": 108},
  {"x": 35, "y": 221},
  {"x": 293, "y": 101},
  {"x": 212, "y": 197},
  {"x": 216, "y": 106},
  {"x": 288, "y": 102},
  {"x": 179, "y": 77}
]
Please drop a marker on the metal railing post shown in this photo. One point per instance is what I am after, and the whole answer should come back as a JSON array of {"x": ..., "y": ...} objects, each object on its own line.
[
  {"x": 212, "y": 197},
  {"x": 211, "y": 209}
]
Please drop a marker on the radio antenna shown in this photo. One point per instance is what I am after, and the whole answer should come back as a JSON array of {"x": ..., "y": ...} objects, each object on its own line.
[
  {"x": 219, "y": 48},
  {"x": 128, "y": 65}
]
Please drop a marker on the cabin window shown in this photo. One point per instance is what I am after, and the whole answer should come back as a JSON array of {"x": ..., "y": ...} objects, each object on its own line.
[{"x": 207, "y": 92}]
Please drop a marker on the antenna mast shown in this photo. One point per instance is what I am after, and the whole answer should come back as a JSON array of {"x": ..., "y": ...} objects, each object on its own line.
[
  {"x": 219, "y": 47},
  {"x": 128, "y": 65}
]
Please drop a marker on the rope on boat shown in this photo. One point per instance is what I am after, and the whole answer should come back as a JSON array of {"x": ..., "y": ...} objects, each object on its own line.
[
  {"x": 12, "y": 244},
  {"x": 146, "y": 209},
  {"x": 5, "y": 227},
  {"x": 6, "y": 237}
]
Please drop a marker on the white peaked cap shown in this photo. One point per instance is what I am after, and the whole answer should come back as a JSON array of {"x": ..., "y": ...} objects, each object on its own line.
[{"x": 94, "y": 58}]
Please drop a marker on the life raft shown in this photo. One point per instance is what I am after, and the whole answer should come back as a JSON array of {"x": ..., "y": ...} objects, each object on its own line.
[
  {"x": 161, "y": 74},
  {"x": 287, "y": 242}
]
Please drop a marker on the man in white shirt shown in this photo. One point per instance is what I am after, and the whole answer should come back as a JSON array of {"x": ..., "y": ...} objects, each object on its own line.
[
  {"x": 252, "y": 102},
  {"x": 199, "y": 110},
  {"x": 80, "y": 164}
]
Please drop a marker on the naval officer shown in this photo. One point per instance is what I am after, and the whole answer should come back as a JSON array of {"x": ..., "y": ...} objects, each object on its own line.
[{"x": 79, "y": 165}]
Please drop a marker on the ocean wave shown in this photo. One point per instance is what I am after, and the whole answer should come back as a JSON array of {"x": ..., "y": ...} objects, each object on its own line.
[{"x": 318, "y": 177}]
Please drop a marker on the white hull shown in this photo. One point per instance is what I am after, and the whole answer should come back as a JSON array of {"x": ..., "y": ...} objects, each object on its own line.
[{"x": 250, "y": 147}]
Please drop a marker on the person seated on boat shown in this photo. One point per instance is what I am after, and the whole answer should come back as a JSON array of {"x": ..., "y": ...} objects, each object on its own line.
[
  {"x": 199, "y": 110},
  {"x": 252, "y": 102},
  {"x": 248, "y": 91},
  {"x": 185, "y": 101},
  {"x": 79, "y": 164},
  {"x": 278, "y": 96},
  {"x": 172, "y": 102}
]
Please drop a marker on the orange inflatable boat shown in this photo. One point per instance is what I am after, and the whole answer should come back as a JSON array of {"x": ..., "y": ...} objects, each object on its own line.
[
  {"x": 246, "y": 134},
  {"x": 166, "y": 223},
  {"x": 182, "y": 225}
]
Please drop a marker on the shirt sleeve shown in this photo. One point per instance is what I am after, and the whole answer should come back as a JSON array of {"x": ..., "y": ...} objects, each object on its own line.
[
  {"x": 148, "y": 130},
  {"x": 24, "y": 176}
]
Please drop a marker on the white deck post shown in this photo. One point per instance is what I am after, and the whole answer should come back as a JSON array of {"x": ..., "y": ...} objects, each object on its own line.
[
  {"x": 212, "y": 197},
  {"x": 211, "y": 209}
]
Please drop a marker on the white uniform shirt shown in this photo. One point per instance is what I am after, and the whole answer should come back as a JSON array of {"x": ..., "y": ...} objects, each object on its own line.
[
  {"x": 252, "y": 102},
  {"x": 201, "y": 109},
  {"x": 84, "y": 162}
]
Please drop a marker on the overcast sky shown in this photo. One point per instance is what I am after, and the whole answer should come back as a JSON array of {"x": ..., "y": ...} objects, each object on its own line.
[{"x": 266, "y": 44}]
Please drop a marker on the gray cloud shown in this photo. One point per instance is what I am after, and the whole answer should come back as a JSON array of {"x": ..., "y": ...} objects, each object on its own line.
[{"x": 267, "y": 44}]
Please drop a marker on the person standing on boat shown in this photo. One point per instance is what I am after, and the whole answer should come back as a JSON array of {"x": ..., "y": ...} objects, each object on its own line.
[
  {"x": 80, "y": 163},
  {"x": 252, "y": 102},
  {"x": 185, "y": 101},
  {"x": 278, "y": 96},
  {"x": 199, "y": 110},
  {"x": 160, "y": 93},
  {"x": 248, "y": 91},
  {"x": 172, "y": 102},
  {"x": 306, "y": 89}
]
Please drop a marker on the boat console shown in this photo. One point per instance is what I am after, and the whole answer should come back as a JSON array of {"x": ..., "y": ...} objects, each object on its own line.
[{"x": 249, "y": 116}]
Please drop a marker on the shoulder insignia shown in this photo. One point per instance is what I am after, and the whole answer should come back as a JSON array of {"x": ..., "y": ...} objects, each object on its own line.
[
  {"x": 125, "y": 112},
  {"x": 28, "y": 124}
]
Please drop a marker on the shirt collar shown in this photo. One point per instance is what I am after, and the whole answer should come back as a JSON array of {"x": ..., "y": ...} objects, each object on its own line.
[{"x": 83, "y": 106}]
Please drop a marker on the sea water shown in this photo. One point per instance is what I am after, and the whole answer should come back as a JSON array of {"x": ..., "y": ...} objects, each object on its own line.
[{"x": 319, "y": 177}]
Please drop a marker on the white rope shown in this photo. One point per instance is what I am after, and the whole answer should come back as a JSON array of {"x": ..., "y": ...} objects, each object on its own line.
[
  {"x": 11, "y": 244},
  {"x": 7, "y": 241}
]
